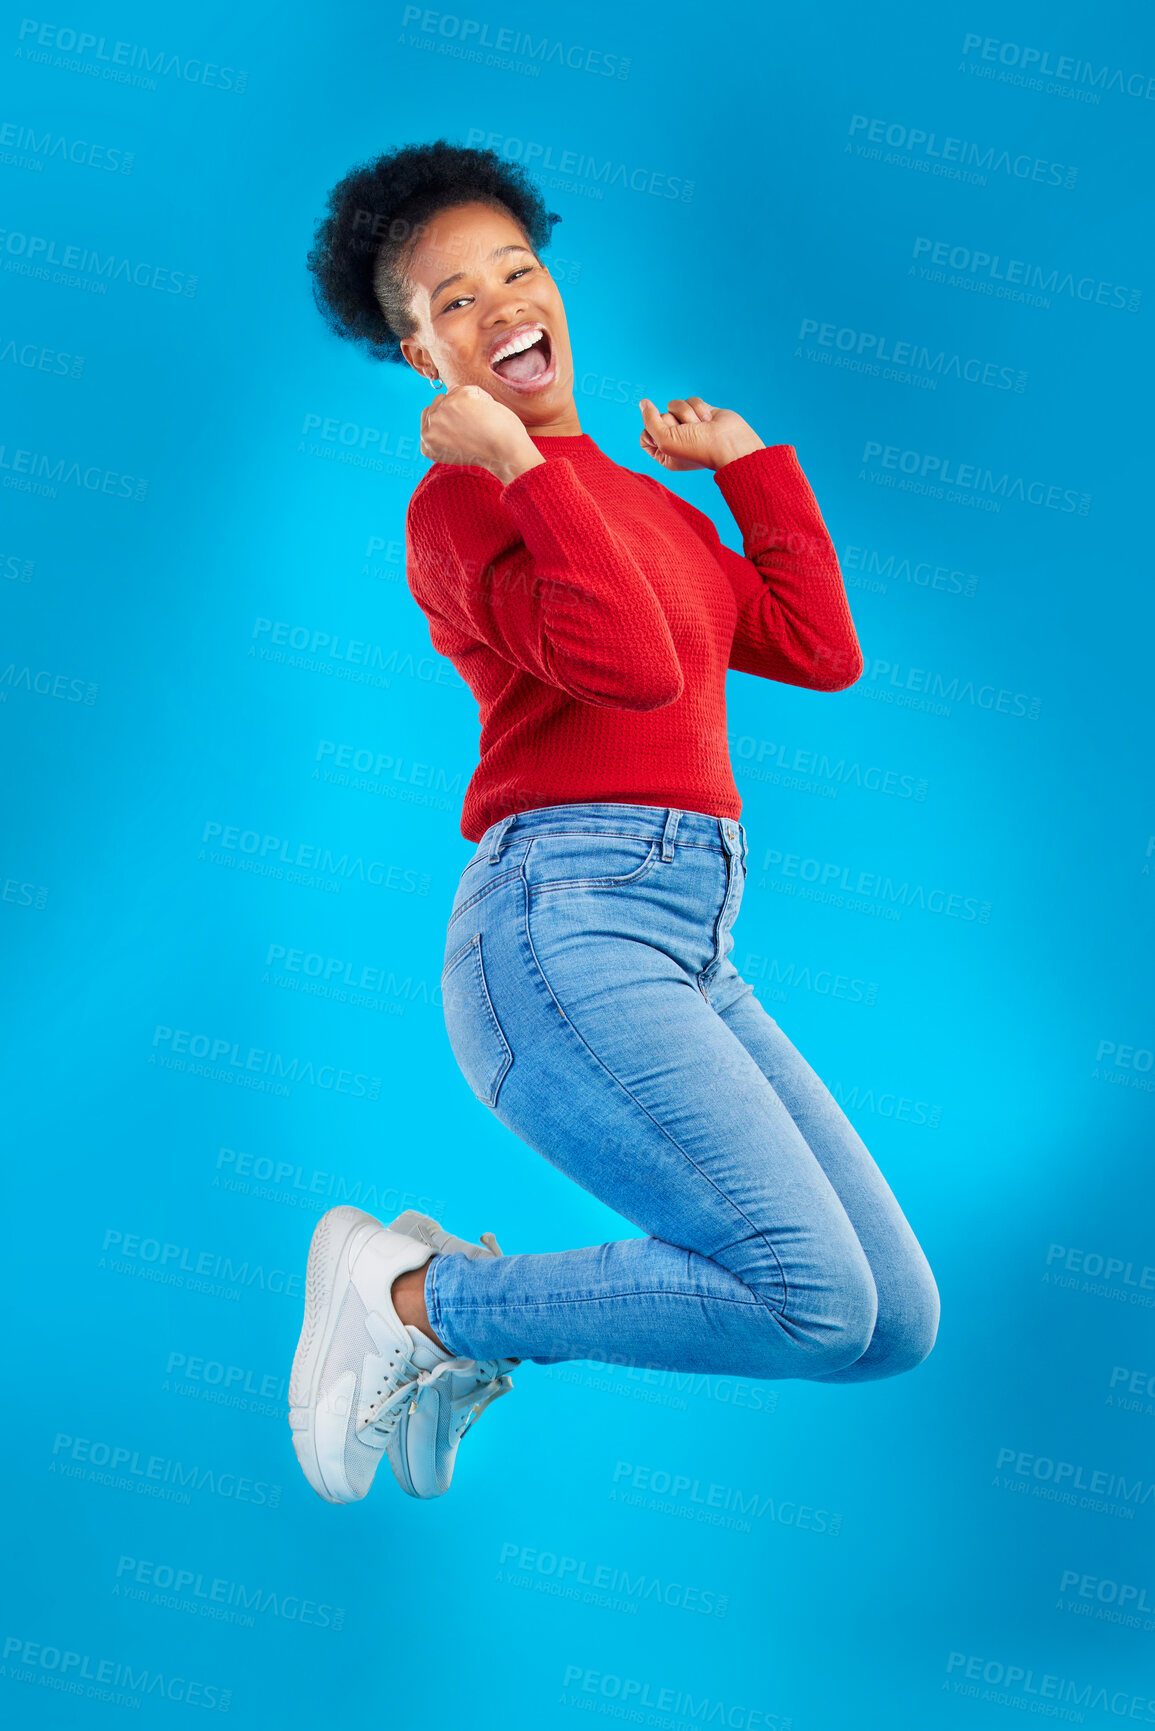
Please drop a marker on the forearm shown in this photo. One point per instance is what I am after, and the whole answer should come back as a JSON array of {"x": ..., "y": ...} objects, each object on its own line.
[
  {"x": 603, "y": 632},
  {"x": 533, "y": 571},
  {"x": 794, "y": 618},
  {"x": 509, "y": 471}
]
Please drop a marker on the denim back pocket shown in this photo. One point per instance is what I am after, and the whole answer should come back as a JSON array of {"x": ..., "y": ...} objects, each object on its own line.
[{"x": 481, "y": 1049}]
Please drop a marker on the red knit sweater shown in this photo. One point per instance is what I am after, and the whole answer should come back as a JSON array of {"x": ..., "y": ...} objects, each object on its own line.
[{"x": 593, "y": 613}]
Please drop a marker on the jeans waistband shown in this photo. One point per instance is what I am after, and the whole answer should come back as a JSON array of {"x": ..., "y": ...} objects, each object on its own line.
[{"x": 667, "y": 824}]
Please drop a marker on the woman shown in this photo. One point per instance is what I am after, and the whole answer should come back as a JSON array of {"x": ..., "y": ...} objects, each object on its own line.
[{"x": 589, "y": 996}]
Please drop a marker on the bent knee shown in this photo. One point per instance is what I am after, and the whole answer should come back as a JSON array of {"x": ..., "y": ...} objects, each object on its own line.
[
  {"x": 911, "y": 1337},
  {"x": 903, "y": 1338},
  {"x": 828, "y": 1335}
]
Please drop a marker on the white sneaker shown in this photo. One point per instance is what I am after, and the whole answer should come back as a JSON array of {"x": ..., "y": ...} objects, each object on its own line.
[
  {"x": 356, "y": 1360},
  {"x": 449, "y": 1396}
]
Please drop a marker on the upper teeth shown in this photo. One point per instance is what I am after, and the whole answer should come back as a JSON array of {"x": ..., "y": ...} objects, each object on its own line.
[{"x": 515, "y": 344}]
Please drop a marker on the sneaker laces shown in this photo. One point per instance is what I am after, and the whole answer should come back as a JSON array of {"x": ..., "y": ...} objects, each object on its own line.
[
  {"x": 492, "y": 1391},
  {"x": 385, "y": 1412},
  {"x": 493, "y": 1381}
]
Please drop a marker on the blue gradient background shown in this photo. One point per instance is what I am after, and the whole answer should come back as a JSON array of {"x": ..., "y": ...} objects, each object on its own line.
[{"x": 1022, "y": 1045}]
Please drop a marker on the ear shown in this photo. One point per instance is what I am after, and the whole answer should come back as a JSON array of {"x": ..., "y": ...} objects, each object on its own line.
[{"x": 419, "y": 359}]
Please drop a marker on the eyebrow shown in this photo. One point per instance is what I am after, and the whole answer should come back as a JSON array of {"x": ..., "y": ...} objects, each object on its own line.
[{"x": 498, "y": 252}]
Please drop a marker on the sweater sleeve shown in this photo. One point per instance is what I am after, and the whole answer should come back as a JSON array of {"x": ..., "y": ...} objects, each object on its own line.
[
  {"x": 534, "y": 571},
  {"x": 794, "y": 623}
]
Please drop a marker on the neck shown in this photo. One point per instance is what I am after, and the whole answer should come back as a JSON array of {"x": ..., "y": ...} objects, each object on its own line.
[{"x": 563, "y": 423}]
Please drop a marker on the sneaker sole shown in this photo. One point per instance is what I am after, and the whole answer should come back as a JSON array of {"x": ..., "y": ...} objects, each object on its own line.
[{"x": 337, "y": 1237}]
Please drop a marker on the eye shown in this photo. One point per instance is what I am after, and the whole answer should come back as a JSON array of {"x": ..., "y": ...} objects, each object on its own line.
[{"x": 521, "y": 270}]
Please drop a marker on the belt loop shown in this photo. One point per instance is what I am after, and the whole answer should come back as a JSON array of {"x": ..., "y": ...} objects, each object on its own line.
[
  {"x": 673, "y": 818},
  {"x": 497, "y": 842}
]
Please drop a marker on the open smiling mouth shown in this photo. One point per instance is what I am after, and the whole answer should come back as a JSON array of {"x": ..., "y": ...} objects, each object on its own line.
[{"x": 526, "y": 360}]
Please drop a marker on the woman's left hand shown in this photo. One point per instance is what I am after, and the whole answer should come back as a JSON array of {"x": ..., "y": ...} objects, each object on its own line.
[{"x": 694, "y": 435}]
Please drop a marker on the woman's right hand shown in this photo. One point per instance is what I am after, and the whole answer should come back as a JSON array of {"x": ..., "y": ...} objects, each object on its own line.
[{"x": 467, "y": 425}]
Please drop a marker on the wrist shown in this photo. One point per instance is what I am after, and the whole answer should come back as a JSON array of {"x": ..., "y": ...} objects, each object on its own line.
[
  {"x": 509, "y": 468},
  {"x": 739, "y": 448}
]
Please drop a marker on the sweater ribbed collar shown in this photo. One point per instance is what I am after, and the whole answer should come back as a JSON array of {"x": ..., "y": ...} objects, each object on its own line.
[{"x": 564, "y": 444}]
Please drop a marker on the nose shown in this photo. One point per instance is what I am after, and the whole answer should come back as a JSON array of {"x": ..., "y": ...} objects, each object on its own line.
[{"x": 505, "y": 313}]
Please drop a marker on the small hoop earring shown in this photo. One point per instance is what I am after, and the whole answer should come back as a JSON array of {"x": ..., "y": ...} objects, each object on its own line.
[{"x": 435, "y": 381}]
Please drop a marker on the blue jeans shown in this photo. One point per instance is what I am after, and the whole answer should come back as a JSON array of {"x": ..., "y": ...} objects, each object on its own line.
[{"x": 591, "y": 1004}]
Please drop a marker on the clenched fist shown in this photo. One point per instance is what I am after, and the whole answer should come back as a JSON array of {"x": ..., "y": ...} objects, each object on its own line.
[{"x": 467, "y": 425}]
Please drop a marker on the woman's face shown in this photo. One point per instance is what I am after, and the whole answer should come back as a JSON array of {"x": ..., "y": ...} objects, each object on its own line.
[{"x": 478, "y": 292}]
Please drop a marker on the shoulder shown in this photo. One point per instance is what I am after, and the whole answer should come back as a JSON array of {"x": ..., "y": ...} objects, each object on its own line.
[
  {"x": 646, "y": 482},
  {"x": 445, "y": 484},
  {"x": 653, "y": 485},
  {"x": 455, "y": 526},
  {"x": 665, "y": 497},
  {"x": 456, "y": 500}
]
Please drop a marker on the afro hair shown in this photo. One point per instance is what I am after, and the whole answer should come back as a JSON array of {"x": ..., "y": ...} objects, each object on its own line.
[{"x": 374, "y": 217}]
